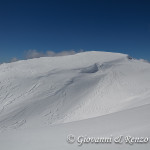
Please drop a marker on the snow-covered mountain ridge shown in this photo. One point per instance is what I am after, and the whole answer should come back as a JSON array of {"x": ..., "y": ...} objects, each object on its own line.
[{"x": 52, "y": 90}]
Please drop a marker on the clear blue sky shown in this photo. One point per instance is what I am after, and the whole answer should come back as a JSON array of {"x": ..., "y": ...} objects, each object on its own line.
[{"x": 102, "y": 25}]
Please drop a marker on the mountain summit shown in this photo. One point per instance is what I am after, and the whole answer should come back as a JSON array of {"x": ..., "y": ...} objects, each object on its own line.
[{"x": 53, "y": 90}]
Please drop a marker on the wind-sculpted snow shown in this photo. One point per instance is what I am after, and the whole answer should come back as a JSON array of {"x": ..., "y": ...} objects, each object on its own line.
[
  {"x": 91, "y": 69},
  {"x": 52, "y": 90}
]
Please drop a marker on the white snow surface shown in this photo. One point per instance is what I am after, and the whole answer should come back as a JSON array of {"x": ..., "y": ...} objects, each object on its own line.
[{"x": 43, "y": 100}]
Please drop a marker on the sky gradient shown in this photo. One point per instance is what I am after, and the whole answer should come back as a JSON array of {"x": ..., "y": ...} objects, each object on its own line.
[{"x": 58, "y": 25}]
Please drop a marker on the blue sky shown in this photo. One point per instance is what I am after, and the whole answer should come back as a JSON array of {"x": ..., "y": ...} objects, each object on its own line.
[{"x": 58, "y": 25}]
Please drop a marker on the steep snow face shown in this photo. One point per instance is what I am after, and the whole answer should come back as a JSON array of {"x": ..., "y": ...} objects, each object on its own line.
[{"x": 52, "y": 90}]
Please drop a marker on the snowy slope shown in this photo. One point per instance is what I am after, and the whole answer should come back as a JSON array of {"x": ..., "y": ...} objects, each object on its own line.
[
  {"x": 90, "y": 94},
  {"x": 133, "y": 122},
  {"x": 52, "y": 90}
]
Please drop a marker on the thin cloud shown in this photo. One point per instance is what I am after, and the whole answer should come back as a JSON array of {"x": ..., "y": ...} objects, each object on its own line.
[
  {"x": 35, "y": 54},
  {"x": 14, "y": 59}
]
